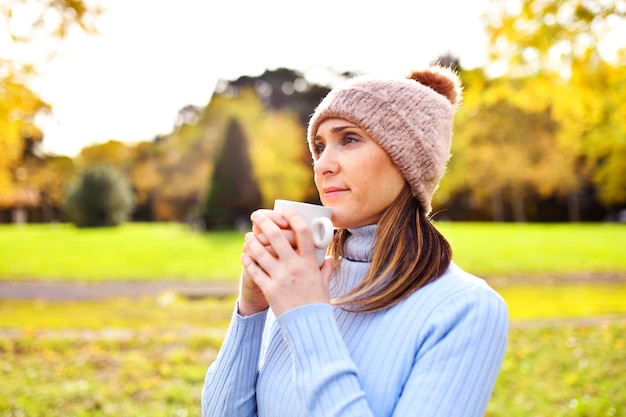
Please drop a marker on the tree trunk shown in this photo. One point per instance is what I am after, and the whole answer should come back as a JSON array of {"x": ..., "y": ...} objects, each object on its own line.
[
  {"x": 19, "y": 215},
  {"x": 47, "y": 213},
  {"x": 497, "y": 206},
  {"x": 573, "y": 206},
  {"x": 519, "y": 213}
]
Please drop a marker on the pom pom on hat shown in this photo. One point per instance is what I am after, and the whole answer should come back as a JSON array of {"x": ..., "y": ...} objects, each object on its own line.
[
  {"x": 441, "y": 79},
  {"x": 410, "y": 118}
]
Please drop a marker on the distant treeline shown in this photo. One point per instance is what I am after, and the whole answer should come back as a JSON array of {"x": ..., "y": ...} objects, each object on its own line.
[
  {"x": 513, "y": 159},
  {"x": 540, "y": 134}
]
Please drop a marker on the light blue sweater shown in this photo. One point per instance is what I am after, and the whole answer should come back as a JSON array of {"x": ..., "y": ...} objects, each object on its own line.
[{"x": 437, "y": 353}]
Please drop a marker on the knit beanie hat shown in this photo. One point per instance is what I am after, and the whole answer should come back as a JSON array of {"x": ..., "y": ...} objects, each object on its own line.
[{"x": 410, "y": 118}]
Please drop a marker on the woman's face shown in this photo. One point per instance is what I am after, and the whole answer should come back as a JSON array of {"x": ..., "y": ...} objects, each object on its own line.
[{"x": 354, "y": 176}]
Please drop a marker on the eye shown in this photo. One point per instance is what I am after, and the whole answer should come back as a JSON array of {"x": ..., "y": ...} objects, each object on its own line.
[
  {"x": 318, "y": 148},
  {"x": 350, "y": 139}
]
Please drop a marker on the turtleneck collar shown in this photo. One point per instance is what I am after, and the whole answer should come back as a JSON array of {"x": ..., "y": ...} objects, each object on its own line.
[{"x": 359, "y": 245}]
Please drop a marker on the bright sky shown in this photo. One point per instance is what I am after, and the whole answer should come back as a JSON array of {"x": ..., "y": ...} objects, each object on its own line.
[{"x": 153, "y": 57}]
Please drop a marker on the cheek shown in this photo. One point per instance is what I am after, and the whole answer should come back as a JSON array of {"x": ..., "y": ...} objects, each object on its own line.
[
  {"x": 385, "y": 182},
  {"x": 396, "y": 182}
]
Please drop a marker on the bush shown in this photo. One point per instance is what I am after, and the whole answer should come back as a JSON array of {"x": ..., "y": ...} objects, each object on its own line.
[{"x": 100, "y": 196}]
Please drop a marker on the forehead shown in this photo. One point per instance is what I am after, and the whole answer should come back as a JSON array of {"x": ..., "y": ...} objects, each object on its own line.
[{"x": 333, "y": 125}]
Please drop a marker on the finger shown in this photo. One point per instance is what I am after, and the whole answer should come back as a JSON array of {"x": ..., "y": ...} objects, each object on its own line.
[
  {"x": 278, "y": 218},
  {"x": 262, "y": 238},
  {"x": 265, "y": 242},
  {"x": 260, "y": 253},
  {"x": 303, "y": 235},
  {"x": 254, "y": 271},
  {"x": 275, "y": 216},
  {"x": 272, "y": 234},
  {"x": 289, "y": 235}
]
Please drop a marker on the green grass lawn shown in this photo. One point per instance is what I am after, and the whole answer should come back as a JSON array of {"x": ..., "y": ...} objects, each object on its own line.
[
  {"x": 520, "y": 249},
  {"x": 146, "y": 251},
  {"x": 133, "y": 251}
]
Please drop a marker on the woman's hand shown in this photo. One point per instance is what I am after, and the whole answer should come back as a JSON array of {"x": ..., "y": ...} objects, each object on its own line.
[
  {"x": 251, "y": 298},
  {"x": 283, "y": 265}
]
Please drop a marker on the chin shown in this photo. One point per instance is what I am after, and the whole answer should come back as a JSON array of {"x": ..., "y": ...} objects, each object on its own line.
[
  {"x": 339, "y": 224},
  {"x": 338, "y": 220}
]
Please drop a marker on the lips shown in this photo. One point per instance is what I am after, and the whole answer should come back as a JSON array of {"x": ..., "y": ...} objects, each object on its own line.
[{"x": 330, "y": 192}]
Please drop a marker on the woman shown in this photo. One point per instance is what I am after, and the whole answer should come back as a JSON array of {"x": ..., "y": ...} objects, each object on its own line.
[{"x": 389, "y": 325}]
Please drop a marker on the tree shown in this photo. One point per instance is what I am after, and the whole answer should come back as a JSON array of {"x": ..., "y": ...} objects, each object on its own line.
[
  {"x": 30, "y": 23},
  {"x": 280, "y": 158},
  {"x": 594, "y": 125},
  {"x": 146, "y": 177},
  {"x": 550, "y": 58},
  {"x": 170, "y": 173},
  {"x": 112, "y": 152},
  {"x": 529, "y": 37},
  {"x": 283, "y": 89},
  {"x": 49, "y": 175},
  {"x": 100, "y": 196},
  {"x": 505, "y": 147},
  {"x": 18, "y": 108},
  {"x": 233, "y": 193}
]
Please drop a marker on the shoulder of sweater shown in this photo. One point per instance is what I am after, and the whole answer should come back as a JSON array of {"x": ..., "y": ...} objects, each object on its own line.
[
  {"x": 459, "y": 290},
  {"x": 457, "y": 280}
]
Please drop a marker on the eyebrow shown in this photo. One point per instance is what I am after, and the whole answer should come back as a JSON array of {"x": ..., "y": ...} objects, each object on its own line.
[{"x": 335, "y": 129}]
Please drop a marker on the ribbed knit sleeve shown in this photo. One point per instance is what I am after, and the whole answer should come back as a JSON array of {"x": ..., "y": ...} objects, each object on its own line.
[
  {"x": 325, "y": 375},
  {"x": 230, "y": 383}
]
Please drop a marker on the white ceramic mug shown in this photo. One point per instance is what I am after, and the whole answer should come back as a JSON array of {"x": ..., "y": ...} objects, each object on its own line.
[{"x": 318, "y": 218}]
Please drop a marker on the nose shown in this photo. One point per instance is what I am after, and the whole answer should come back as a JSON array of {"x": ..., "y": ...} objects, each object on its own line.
[{"x": 325, "y": 164}]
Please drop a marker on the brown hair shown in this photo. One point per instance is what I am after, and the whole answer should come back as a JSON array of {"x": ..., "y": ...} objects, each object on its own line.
[{"x": 409, "y": 252}]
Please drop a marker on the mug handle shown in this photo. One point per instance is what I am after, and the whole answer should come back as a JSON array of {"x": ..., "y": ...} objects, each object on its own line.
[{"x": 323, "y": 231}]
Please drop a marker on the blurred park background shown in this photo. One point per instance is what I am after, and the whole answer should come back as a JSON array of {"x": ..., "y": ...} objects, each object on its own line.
[{"x": 119, "y": 264}]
